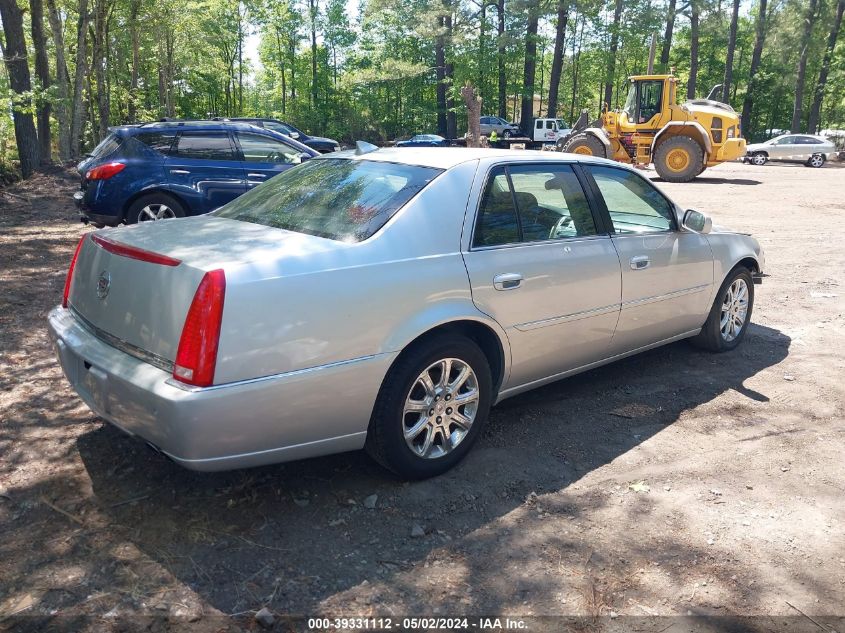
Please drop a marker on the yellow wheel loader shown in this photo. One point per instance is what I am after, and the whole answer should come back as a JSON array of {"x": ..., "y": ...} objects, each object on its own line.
[{"x": 681, "y": 140}]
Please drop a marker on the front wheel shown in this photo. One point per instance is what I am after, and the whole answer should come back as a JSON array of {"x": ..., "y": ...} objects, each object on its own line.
[
  {"x": 431, "y": 408},
  {"x": 679, "y": 159},
  {"x": 760, "y": 159},
  {"x": 506, "y": 134},
  {"x": 816, "y": 160},
  {"x": 586, "y": 145},
  {"x": 730, "y": 314}
]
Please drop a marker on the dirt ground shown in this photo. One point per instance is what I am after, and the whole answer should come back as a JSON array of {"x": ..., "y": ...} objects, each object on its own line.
[{"x": 669, "y": 485}]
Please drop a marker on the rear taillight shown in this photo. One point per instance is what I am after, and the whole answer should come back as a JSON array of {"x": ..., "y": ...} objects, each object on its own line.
[
  {"x": 102, "y": 172},
  {"x": 196, "y": 356},
  {"x": 69, "y": 277}
]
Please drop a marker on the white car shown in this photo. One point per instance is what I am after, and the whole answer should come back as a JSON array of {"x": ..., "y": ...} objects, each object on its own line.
[{"x": 809, "y": 149}]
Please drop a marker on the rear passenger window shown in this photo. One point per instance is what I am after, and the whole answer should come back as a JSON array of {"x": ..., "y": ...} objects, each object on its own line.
[
  {"x": 159, "y": 141},
  {"x": 537, "y": 203},
  {"x": 205, "y": 146},
  {"x": 635, "y": 205}
]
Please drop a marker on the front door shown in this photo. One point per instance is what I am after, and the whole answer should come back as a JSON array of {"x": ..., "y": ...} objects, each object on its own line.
[
  {"x": 667, "y": 273},
  {"x": 265, "y": 157},
  {"x": 204, "y": 170},
  {"x": 540, "y": 267}
]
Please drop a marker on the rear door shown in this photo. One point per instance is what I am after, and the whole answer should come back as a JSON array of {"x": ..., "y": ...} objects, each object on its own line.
[
  {"x": 264, "y": 156},
  {"x": 667, "y": 273},
  {"x": 204, "y": 170},
  {"x": 486, "y": 126},
  {"x": 541, "y": 266}
]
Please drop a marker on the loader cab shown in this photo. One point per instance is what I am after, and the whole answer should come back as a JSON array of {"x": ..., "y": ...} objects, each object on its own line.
[{"x": 649, "y": 98}]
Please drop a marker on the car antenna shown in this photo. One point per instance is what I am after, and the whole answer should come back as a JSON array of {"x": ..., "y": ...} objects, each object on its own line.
[{"x": 362, "y": 147}]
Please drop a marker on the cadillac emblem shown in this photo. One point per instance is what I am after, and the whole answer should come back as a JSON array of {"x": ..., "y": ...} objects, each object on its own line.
[{"x": 103, "y": 284}]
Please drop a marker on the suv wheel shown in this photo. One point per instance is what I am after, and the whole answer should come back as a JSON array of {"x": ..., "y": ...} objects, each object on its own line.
[
  {"x": 816, "y": 160},
  {"x": 431, "y": 408},
  {"x": 760, "y": 159},
  {"x": 154, "y": 206}
]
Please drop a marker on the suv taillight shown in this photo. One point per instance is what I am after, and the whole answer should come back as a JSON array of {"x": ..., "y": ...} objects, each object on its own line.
[
  {"x": 103, "y": 172},
  {"x": 196, "y": 356},
  {"x": 69, "y": 277}
]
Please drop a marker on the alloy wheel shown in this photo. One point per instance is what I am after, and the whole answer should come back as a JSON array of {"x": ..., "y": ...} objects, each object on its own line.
[
  {"x": 816, "y": 160},
  {"x": 734, "y": 310},
  {"x": 155, "y": 211},
  {"x": 440, "y": 408},
  {"x": 759, "y": 159}
]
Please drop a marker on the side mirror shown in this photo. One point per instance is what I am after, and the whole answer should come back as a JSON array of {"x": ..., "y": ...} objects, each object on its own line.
[
  {"x": 294, "y": 134},
  {"x": 303, "y": 156},
  {"x": 697, "y": 221}
]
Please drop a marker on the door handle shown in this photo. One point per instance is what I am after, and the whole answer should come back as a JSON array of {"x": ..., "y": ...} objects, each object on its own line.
[
  {"x": 179, "y": 171},
  {"x": 640, "y": 262},
  {"x": 256, "y": 175},
  {"x": 507, "y": 281}
]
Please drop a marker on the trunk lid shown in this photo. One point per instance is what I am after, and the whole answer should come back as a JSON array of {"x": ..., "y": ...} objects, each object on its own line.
[{"x": 137, "y": 300}]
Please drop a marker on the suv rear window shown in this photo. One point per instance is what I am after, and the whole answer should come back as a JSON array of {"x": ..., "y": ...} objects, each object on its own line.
[
  {"x": 106, "y": 146},
  {"x": 205, "y": 146},
  {"x": 159, "y": 141},
  {"x": 339, "y": 199}
]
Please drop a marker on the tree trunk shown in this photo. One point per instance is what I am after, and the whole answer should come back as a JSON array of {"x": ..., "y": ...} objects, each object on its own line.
[
  {"x": 14, "y": 56},
  {"x": 557, "y": 56},
  {"x": 100, "y": 59},
  {"x": 451, "y": 116},
  {"x": 529, "y": 70},
  {"x": 135, "y": 40},
  {"x": 42, "y": 70},
  {"x": 815, "y": 110},
  {"x": 610, "y": 78},
  {"x": 759, "y": 39},
  {"x": 503, "y": 84},
  {"x": 667, "y": 36},
  {"x": 693, "y": 50},
  {"x": 729, "y": 62},
  {"x": 440, "y": 75},
  {"x": 77, "y": 122},
  {"x": 798, "y": 104},
  {"x": 473, "y": 104},
  {"x": 313, "y": 9},
  {"x": 576, "y": 56},
  {"x": 62, "y": 81}
]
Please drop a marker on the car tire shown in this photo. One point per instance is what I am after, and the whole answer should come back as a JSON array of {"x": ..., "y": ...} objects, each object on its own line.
[
  {"x": 718, "y": 335},
  {"x": 439, "y": 443},
  {"x": 150, "y": 205},
  {"x": 585, "y": 144},
  {"x": 816, "y": 160},
  {"x": 506, "y": 134},
  {"x": 759, "y": 159},
  {"x": 679, "y": 159}
]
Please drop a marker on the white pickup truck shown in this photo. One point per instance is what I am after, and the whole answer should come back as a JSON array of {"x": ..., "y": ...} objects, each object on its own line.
[{"x": 549, "y": 130}]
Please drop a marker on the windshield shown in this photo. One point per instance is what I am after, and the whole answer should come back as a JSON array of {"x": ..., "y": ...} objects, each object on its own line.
[
  {"x": 630, "y": 108},
  {"x": 339, "y": 199}
]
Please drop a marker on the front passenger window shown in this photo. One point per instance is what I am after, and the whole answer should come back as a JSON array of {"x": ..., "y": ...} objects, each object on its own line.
[
  {"x": 635, "y": 205},
  {"x": 262, "y": 149}
]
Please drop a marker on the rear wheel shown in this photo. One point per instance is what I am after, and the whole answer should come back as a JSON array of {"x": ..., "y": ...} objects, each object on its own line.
[
  {"x": 431, "y": 408},
  {"x": 816, "y": 160},
  {"x": 153, "y": 207},
  {"x": 586, "y": 145},
  {"x": 760, "y": 159},
  {"x": 730, "y": 314},
  {"x": 679, "y": 159}
]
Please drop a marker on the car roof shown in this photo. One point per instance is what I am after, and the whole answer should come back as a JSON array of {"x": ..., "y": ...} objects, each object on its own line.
[{"x": 448, "y": 157}]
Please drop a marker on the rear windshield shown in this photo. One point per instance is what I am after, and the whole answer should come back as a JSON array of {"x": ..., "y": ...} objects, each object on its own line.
[
  {"x": 106, "y": 146},
  {"x": 339, "y": 199}
]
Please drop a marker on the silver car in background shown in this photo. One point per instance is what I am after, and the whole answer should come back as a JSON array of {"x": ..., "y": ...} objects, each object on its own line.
[
  {"x": 490, "y": 124},
  {"x": 386, "y": 300},
  {"x": 809, "y": 149}
]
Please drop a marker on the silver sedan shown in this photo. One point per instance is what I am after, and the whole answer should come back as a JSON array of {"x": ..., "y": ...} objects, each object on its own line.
[
  {"x": 811, "y": 150},
  {"x": 386, "y": 300}
]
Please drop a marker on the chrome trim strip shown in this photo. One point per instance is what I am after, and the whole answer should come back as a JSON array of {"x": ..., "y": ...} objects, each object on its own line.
[
  {"x": 575, "y": 316},
  {"x": 512, "y": 391},
  {"x": 127, "y": 348},
  {"x": 287, "y": 374},
  {"x": 664, "y": 297}
]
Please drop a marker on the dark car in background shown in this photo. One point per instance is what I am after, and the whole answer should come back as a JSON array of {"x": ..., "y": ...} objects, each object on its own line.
[
  {"x": 164, "y": 170},
  {"x": 424, "y": 140},
  {"x": 319, "y": 143}
]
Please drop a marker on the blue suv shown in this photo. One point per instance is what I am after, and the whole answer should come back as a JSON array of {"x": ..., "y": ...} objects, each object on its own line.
[{"x": 173, "y": 169}]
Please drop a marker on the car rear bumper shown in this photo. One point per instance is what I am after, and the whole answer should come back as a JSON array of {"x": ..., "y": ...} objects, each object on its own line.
[
  {"x": 289, "y": 416},
  {"x": 86, "y": 214}
]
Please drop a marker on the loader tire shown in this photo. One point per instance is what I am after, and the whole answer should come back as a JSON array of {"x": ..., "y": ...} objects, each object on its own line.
[
  {"x": 679, "y": 159},
  {"x": 586, "y": 145}
]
